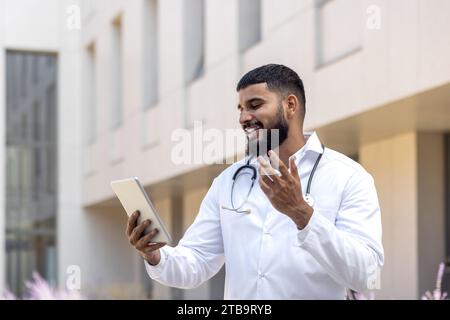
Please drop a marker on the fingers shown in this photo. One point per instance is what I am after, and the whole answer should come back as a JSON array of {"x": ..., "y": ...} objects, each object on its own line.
[
  {"x": 154, "y": 246},
  {"x": 293, "y": 168},
  {"x": 132, "y": 223},
  {"x": 276, "y": 161},
  {"x": 267, "y": 169},
  {"x": 264, "y": 186},
  {"x": 137, "y": 232},
  {"x": 263, "y": 174},
  {"x": 144, "y": 241}
]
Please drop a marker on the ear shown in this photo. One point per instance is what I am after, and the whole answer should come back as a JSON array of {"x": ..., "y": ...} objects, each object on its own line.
[{"x": 292, "y": 104}]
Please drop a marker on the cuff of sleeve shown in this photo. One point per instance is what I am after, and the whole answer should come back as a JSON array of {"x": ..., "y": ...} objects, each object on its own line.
[
  {"x": 155, "y": 271},
  {"x": 314, "y": 222}
]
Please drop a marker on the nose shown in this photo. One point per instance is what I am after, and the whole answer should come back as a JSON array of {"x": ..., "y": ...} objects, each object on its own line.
[{"x": 245, "y": 116}]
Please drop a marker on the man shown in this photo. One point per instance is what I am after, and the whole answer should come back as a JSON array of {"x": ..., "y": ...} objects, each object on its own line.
[{"x": 281, "y": 244}]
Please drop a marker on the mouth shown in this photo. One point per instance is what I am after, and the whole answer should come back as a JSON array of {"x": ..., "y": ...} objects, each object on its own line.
[{"x": 252, "y": 127}]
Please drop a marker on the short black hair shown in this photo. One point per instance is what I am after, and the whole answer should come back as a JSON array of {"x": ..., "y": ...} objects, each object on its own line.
[{"x": 278, "y": 78}]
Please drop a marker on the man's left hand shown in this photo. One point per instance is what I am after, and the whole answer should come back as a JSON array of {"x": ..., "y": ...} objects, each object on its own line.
[{"x": 284, "y": 191}]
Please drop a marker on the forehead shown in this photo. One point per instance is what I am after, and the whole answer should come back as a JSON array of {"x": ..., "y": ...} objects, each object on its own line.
[{"x": 258, "y": 90}]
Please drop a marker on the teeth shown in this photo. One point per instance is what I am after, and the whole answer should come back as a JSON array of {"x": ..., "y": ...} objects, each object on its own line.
[{"x": 252, "y": 129}]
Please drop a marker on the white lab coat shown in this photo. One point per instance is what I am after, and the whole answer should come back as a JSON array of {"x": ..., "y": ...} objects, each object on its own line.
[{"x": 265, "y": 255}]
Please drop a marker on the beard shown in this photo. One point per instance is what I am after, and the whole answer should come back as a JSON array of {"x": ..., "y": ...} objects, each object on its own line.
[{"x": 269, "y": 138}]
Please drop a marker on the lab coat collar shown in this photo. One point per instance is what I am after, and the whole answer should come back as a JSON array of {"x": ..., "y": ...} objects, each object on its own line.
[{"x": 312, "y": 144}]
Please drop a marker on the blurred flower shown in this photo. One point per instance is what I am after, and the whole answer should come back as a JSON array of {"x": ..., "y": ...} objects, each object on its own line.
[
  {"x": 7, "y": 295},
  {"x": 437, "y": 293},
  {"x": 353, "y": 295},
  {"x": 39, "y": 289}
]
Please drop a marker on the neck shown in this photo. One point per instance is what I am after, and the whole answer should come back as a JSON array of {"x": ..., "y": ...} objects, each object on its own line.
[{"x": 291, "y": 145}]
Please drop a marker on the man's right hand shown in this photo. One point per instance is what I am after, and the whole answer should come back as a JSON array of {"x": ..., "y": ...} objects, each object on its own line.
[{"x": 142, "y": 242}]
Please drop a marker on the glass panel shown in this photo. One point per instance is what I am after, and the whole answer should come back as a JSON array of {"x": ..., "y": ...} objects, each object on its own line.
[
  {"x": 194, "y": 32},
  {"x": 31, "y": 164},
  {"x": 249, "y": 23}
]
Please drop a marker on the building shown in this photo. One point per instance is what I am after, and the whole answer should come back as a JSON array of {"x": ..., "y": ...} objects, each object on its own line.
[{"x": 127, "y": 74}]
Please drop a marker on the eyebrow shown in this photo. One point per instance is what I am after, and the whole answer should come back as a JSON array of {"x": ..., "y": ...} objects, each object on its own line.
[{"x": 250, "y": 101}]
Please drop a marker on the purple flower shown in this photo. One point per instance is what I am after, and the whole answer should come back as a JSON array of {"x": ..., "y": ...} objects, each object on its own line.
[
  {"x": 39, "y": 289},
  {"x": 437, "y": 293}
]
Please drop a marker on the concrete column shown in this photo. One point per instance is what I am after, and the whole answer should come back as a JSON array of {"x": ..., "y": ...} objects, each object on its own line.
[
  {"x": 163, "y": 206},
  {"x": 393, "y": 164},
  {"x": 409, "y": 175},
  {"x": 431, "y": 202},
  {"x": 191, "y": 205},
  {"x": 176, "y": 204}
]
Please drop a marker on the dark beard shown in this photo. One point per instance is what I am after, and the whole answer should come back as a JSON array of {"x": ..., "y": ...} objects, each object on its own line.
[{"x": 271, "y": 138}]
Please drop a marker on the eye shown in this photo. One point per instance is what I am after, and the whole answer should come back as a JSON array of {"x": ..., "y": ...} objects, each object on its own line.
[{"x": 255, "y": 106}]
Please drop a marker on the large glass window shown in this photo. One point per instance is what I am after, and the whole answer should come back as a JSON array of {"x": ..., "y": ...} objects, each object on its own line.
[
  {"x": 338, "y": 29},
  {"x": 194, "y": 39},
  {"x": 249, "y": 23},
  {"x": 117, "y": 74},
  {"x": 31, "y": 164},
  {"x": 150, "y": 60}
]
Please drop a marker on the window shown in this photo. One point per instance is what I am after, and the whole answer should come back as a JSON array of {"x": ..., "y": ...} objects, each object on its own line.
[
  {"x": 51, "y": 113},
  {"x": 194, "y": 34},
  {"x": 30, "y": 161},
  {"x": 36, "y": 114},
  {"x": 117, "y": 74},
  {"x": 24, "y": 126},
  {"x": 37, "y": 172},
  {"x": 338, "y": 29},
  {"x": 91, "y": 96},
  {"x": 35, "y": 66},
  {"x": 150, "y": 42},
  {"x": 249, "y": 23}
]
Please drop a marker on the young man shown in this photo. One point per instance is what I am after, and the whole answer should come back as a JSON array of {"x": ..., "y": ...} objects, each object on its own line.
[{"x": 310, "y": 232}]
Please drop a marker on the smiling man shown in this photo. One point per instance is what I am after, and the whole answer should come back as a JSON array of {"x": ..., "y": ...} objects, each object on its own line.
[{"x": 309, "y": 230}]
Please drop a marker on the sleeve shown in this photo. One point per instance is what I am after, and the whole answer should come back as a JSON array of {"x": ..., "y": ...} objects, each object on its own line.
[
  {"x": 349, "y": 250},
  {"x": 199, "y": 255}
]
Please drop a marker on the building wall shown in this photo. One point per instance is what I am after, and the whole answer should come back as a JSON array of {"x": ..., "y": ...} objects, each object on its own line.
[
  {"x": 409, "y": 175},
  {"x": 18, "y": 18},
  {"x": 393, "y": 164},
  {"x": 191, "y": 204},
  {"x": 42, "y": 27},
  {"x": 405, "y": 57},
  {"x": 431, "y": 205},
  {"x": 388, "y": 65}
]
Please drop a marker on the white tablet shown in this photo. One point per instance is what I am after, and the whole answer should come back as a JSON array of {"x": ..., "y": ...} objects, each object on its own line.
[{"x": 133, "y": 197}]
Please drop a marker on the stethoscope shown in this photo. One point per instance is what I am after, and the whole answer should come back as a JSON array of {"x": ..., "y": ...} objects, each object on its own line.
[{"x": 240, "y": 171}]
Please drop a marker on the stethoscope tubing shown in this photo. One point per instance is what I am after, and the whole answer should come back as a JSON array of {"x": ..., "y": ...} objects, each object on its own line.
[{"x": 253, "y": 179}]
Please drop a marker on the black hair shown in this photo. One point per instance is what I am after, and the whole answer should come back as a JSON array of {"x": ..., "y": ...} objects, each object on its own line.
[{"x": 278, "y": 78}]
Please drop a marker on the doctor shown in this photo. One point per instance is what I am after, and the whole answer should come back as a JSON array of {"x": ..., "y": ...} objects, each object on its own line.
[{"x": 310, "y": 232}]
